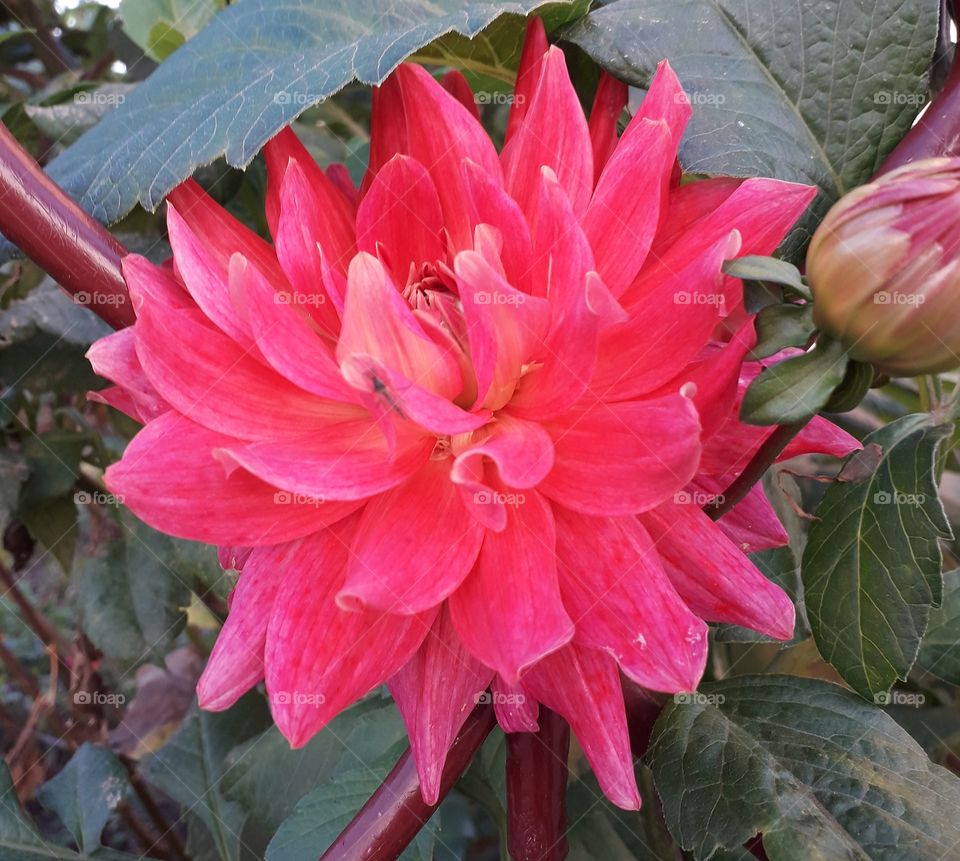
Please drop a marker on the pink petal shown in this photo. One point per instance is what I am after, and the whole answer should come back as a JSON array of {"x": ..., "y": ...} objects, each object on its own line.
[
  {"x": 114, "y": 357},
  {"x": 516, "y": 712},
  {"x": 665, "y": 100},
  {"x": 504, "y": 327},
  {"x": 713, "y": 576},
  {"x": 414, "y": 546},
  {"x": 553, "y": 134},
  {"x": 821, "y": 436},
  {"x": 457, "y": 85},
  {"x": 608, "y": 104},
  {"x": 508, "y": 611},
  {"x": 212, "y": 380},
  {"x": 583, "y": 686},
  {"x": 170, "y": 479},
  {"x": 435, "y": 692},
  {"x": 624, "y": 211},
  {"x": 153, "y": 283},
  {"x": 528, "y": 74},
  {"x": 522, "y": 452},
  {"x": 623, "y": 458},
  {"x": 286, "y": 338},
  {"x": 401, "y": 214},
  {"x": 319, "y": 658},
  {"x": 315, "y": 241},
  {"x": 752, "y": 524},
  {"x": 236, "y": 662},
  {"x": 622, "y": 603},
  {"x": 672, "y": 316},
  {"x": 348, "y": 459},
  {"x": 338, "y": 174}
]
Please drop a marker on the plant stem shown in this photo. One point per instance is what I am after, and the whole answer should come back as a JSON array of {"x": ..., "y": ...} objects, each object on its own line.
[
  {"x": 395, "y": 813},
  {"x": 57, "y": 235},
  {"x": 536, "y": 790},
  {"x": 765, "y": 457}
]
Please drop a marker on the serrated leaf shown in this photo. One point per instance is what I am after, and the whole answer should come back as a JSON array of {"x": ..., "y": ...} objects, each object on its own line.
[
  {"x": 796, "y": 389},
  {"x": 871, "y": 568},
  {"x": 251, "y": 71},
  {"x": 816, "y": 93},
  {"x": 823, "y": 775},
  {"x": 190, "y": 767},
  {"x": 85, "y": 792},
  {"x": 781, "y": 326},
  {"x": 940, "y": 651}
]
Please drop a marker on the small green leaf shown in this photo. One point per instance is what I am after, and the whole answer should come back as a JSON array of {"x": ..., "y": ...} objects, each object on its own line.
[
  {"x": 871, "y": 568},
  {"x": 767, "y": 270},
  {"x": 162, "y": 26},
  {"x": 85, "y": 792},
  {"x": 797, "y": 388},
  {"x": 940, "y": 651},
  {"x": 821, "y": 774},
  {"x": 780, "y": 326}
]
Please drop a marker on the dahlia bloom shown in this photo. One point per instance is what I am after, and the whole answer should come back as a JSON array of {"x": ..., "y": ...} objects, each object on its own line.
[{"x": 457, "y": 427}]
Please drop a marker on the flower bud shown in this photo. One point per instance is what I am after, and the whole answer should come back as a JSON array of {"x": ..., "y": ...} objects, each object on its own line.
[{"x": 884, "y": 267}]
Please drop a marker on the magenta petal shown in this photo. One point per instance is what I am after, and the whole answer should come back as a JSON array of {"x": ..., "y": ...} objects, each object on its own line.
[
  {"x": 319, "y": 658},
  {"x": 608, "y": 104},
  {"x": 508, "y": 611},
  {"x": 713, "y": 576},
  {"x": 114, "y": 357},
  {"x": 435, "y": 692},
  {"x": 622, "y": 602},
  {"x": 601, "y": 449},
  {"x": 583, "y": 686},
  {"x": 236, "y": 662},
  {"x": 522, "y": 452},
  {"x": 752, "y": 524},
  {"x": 515, "y": 710},
  {"x": 414, "y": 546},
  {"x": 534, "y": 47},
  {"x": 170, "y": 479}
]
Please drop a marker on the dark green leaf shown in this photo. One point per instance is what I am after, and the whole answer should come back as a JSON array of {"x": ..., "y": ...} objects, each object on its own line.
[
  {"x": 780, "y": 326},
  {"x": 797, "y": 388},
  {"x": 822, "y": 774},
  {"x": 85, "y": 793},
  {"x": 813, "y": 93},
  {"x": 871, "y": 568},
  {"x": 767, "y": 270},
  {"x": 250, "y": 72},
  {"x": 940, "y": 652},
  {"x": 190, "y": 767}
]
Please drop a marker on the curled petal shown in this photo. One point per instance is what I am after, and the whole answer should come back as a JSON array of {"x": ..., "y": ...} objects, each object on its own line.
[
  {"x": 516, "y": 711},
  {"x": 521, "y": 451},
  {"x": 608, "y": 104}
]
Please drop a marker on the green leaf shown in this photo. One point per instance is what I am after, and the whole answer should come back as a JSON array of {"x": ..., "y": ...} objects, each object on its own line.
[
  {"x": 190, "y": 767},
  {"x": 815, "y": 93},
  {"x": 162, "y": 26},
  {"x": 822, "y": 774},
  {"x": 85, "y": 792},
  {"x": 940, "y": 651},
  {"x": 767, "y": 270},
  {"x": 65, "y": 121},
  {"x": 797, "y": 388},
  {"x": 871, "y": 568},
  {"x": 780, "y": 326},
  {"x": 250, "y": 72}
]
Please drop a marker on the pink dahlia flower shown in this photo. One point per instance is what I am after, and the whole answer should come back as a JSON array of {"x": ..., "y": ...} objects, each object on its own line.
[{"x": 457, "y": 427}]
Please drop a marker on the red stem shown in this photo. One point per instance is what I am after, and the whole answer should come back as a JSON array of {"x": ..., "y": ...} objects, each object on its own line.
[
  {"x": 536, "y": 790},
  {"x": 395, "y": 813},
  {"x": 57, "y": 235}
]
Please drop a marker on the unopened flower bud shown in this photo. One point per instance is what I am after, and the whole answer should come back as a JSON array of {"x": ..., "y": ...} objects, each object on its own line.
[{"x": 884, "y": 267}]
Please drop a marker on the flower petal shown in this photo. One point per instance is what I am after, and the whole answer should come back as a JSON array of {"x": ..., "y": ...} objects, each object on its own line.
[
  {"x": 528, "y": 74},
  {"x": 414, "y": 546},
  {"x": 516, "y": 712},
  {"x": 622, "y": 602},
  {"x": 608, "y": 104},
  {"x": 583, "y": 686},
  {"x": 435, "y": 692},
  {"x": 623, "y": 458},
  {"x": 522, "y": 452},
  {"x": 114, "y": 357},
  {"x": 170, "y": 479},
  {"x": 713, "y": 576},
  {"x": 508, "y": 611},
  {"x": 319, "y": 658}
]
